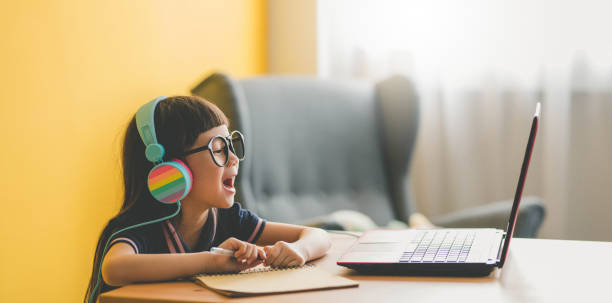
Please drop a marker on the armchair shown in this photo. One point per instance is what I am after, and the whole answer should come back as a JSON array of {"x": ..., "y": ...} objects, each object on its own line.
[{"x": 316, "y": 146}]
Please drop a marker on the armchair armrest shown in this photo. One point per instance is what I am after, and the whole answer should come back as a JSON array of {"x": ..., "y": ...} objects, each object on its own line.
[{"x": 530, "y": 216}]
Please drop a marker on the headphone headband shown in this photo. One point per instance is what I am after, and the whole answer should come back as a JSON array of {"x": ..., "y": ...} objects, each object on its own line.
[{"x": 145, "y": 122}]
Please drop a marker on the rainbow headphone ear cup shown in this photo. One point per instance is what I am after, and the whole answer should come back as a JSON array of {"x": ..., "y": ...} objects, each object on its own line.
[{"x": 170, "y": 181}]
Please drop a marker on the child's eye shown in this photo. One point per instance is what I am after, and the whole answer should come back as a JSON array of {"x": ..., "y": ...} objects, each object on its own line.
[{"x": 218, "y": 151}]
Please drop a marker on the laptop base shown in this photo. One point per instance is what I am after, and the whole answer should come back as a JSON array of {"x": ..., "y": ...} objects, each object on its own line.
[{"x": 424, "y": 269}]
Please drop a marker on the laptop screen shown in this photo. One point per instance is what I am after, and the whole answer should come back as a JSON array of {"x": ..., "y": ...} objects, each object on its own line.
[{"x": 521, "y": 183}]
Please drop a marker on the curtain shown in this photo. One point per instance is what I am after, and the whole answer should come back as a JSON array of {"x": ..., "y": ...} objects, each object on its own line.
[{"x": 480, "y": 67}]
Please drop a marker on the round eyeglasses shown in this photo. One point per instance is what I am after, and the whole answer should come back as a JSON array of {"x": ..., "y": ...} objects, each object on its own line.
[{"x": 219, "y": 148}]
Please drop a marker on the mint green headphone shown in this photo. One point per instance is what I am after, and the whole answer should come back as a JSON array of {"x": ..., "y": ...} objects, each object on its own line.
[{"x": 168, "y": 181}]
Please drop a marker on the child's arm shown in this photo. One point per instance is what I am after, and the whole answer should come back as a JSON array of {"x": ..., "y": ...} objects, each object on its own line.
[
  {"x": 292, "y": 245},
  {"x": 123, "y": 266}
]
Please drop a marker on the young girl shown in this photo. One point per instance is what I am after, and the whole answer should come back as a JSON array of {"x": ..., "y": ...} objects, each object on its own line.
[{"x": 196, "y": 132}]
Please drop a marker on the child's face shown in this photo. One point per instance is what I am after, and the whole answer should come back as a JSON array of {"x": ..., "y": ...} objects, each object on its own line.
[{"x": 213, "y": 186}]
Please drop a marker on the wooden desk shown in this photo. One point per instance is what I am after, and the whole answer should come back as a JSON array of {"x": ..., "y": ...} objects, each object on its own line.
[{"x": 536, "y": 271}]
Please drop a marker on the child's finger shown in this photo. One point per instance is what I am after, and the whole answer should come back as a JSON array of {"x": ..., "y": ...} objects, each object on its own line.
[
  {"x": 285, "y": 261},
  {"x": 241, "y": 251},
  {"x": 257, "y": 262},
  {"x": 243, "y": 247},
  {"x": 244, "y": 255},
  {"x": 235, "y": 266},
  {"x": 273, "y": 255},
  {"x": 295, "y": 262},
  {"x": 270, "y": 260},
  {"x": 261, "y": 253},
  {"x": 279, "y": 261},
  {"x": 247, "y": 254},
  {"x": 237, "y": 246},
  {"x": 267, "y": 250},
  {"x": 252, "y": 255},
  {"x": 239, "y": 255},
  {"x": 267, "y": 260},
  {"x": 231, "y": 244},
  {"x": 270, "y": 256},
  {"x": 239, "y": 265}
]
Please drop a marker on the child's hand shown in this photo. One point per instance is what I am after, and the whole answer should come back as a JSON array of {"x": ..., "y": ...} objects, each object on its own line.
[
  {"x": 244, "y": 252},
  {"x": 283, "y": 254}
]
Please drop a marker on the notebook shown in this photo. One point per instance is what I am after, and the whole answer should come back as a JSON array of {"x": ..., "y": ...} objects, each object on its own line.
[{"x": 262, "y": 280}]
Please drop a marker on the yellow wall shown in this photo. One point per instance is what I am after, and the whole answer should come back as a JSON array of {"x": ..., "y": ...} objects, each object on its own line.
[{"x": 72, "y": 73}]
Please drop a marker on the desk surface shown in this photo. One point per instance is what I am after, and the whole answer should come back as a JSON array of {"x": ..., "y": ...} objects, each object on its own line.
[{"x": 536, "y": 271}]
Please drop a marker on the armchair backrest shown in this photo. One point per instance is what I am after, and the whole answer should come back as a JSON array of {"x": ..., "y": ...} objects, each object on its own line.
[{"x": 315, "y": 146}]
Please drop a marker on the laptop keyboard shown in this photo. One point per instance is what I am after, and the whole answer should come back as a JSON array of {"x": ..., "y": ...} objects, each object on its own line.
[{"x": 439, "y": 246}]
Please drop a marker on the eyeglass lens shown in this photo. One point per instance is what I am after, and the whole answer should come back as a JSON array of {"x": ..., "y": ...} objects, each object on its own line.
[
  {"x": 219, "y": 151},
  {"x": 237, "y": 145}
]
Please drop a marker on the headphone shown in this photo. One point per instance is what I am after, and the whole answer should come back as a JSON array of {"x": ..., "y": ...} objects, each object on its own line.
[{"x": 169, "y": 182}]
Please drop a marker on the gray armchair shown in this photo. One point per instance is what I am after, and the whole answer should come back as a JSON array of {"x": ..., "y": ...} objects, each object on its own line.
[{"x": 316, "y": 146}]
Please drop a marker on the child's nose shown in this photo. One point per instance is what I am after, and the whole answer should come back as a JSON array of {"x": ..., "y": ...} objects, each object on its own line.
[{"x": 233, "y": 159}]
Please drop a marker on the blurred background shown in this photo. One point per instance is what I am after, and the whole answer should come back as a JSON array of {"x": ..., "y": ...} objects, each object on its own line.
[{"x": 73, "y": 73}]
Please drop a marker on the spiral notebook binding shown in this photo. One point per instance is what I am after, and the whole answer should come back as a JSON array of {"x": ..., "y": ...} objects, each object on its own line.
[{"x": 254, "y": 270}]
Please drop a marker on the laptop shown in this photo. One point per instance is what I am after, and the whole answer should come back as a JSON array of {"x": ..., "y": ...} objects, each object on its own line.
[{"x": 439, "y": 252}]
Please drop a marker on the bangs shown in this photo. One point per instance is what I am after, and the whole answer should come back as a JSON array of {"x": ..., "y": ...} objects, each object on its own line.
[{"x": 180, "y": 120}]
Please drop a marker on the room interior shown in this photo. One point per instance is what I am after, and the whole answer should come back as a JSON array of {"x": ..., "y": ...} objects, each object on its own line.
[{"x": 75, "y": 72}]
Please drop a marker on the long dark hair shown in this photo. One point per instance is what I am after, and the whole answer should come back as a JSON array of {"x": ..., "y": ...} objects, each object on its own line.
[{"x": 178, "y": 123}]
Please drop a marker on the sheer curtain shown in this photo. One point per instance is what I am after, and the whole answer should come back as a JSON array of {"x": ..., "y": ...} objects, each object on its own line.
[{"x": 480, "y": 66}]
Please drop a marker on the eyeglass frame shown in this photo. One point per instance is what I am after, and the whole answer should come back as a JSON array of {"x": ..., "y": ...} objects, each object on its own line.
[{"x": 228, "y": 143}]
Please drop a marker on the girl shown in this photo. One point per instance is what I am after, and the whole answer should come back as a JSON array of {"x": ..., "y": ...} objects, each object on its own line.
[{"x": 196, "y": 132}]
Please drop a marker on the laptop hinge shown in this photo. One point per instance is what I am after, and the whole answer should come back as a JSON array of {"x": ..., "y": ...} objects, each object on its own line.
[{"x": 501, "y": 249}]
